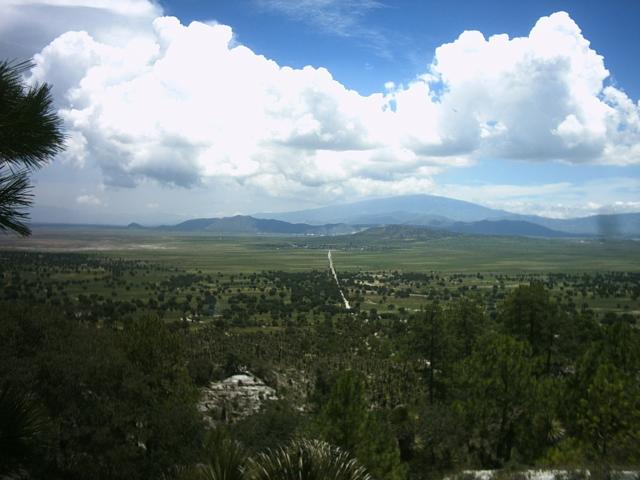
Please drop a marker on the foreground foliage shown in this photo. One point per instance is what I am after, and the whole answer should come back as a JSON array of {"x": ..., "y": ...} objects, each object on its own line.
[
  {"x": 513, "y": 377},
  {"x": 30, "y": 135},
  {"x": 120, "y": 402},
  {"x": 298, "y": 460},
  {"x": 309, "y": 460}
]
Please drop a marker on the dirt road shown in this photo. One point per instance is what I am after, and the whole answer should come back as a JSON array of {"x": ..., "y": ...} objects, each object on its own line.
[{"x": 333, "y": 271}]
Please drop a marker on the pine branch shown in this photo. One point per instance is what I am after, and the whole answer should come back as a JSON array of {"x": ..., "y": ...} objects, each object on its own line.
[
  {"x": 30, "y": 129},
  {"x": 15, "y": 195}
]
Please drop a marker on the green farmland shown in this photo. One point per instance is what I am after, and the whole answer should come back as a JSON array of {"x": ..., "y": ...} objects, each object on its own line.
[{"x": 210, "y": 253}]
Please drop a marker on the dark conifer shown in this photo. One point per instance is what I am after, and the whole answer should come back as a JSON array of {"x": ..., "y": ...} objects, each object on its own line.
[{"x": 30, "y": 136}]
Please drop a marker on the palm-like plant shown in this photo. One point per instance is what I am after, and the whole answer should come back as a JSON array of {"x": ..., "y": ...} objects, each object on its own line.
[
  {"x": 30, "y": 135},
  {"x": 300, "y": 460},
  {"x": 226, "y": 460},
  {"x": 306, "y": 460},
  {"x": 22, "y": 423}
]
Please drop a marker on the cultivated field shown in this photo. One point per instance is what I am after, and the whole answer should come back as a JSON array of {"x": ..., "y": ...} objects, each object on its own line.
[{"x": 211, "y": 253}]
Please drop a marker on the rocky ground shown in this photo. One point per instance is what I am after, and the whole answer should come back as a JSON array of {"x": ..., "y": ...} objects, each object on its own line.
[{"x": 234, "y": 398}]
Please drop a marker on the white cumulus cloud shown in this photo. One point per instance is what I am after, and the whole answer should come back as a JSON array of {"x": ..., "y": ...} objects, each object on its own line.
[
  {"x": 181, "y": 104},
  {"x": 540, "y": 97}
]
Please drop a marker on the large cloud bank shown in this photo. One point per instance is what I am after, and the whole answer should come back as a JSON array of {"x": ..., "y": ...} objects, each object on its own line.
[{"x": 180, "y": 104}]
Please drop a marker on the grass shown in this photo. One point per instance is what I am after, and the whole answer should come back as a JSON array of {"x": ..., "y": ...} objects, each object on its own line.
[
  {"x": 458, "y": 267},
  {"x": 211, "y": 253}
]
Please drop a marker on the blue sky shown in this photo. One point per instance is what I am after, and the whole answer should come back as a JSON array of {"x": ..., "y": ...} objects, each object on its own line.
[
  {"x": 280, "y": 105},
  {"x": 412, "y": 30}
]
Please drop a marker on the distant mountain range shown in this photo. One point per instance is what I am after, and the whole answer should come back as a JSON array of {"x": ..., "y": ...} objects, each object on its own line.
[
  {"x": 245, "y": 225},
  {"x": 460, "y": 216},
  {"x": 407, "y": 209},
  {"x": 504, "y": 227},
  {"x": 420, "y": 216},
  {"x": 610, "y": 225},
  {"x": 400, "y": 232}
]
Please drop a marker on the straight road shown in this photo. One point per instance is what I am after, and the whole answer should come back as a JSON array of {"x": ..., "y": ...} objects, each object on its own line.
[{"x": 333, "y": 271}]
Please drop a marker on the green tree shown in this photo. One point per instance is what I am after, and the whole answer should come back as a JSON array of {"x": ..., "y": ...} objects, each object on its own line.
[
  {"x": 120, "y": 402},
  {"x": 441, "y": 433},
  {"x": 496, "y": 393},
  {"x": 466, "y": 322},
  {"x": 30, "y": 135},
  {"x": 343, "y": 417},
  {"x": 431, "y": 344},
  {"x": 609, "y": 415},
  {"x": 602, "y": 399},
  {"x": 529, "y": 314},
  {"x": 345, "y": 421},
  {"x": 275, "y": 424}
]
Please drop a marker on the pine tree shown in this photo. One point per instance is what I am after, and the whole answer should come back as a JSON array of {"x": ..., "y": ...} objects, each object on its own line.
[
  {"x": 607, "y": 411},
  {"x": 431, "y": 343},
  {"x": 529, "y": 314},
  {"x": 345, "y": 421},
  {"x": 496, "y": 390},
  {"x": 30, "y": 135}
]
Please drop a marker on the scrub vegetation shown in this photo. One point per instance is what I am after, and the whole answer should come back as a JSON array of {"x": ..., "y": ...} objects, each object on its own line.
[{"x": 429, "y": 373}]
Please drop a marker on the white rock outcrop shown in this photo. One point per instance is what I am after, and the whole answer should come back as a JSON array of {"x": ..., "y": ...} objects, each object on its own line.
[{"x": 234, "y": 398}]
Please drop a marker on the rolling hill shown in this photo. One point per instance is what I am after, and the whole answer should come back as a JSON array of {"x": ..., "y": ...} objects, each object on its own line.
[
  {"x": 246, "y": 225},
  {"x": 612, "y": 225},
  {"x": 513, "y": 228}
]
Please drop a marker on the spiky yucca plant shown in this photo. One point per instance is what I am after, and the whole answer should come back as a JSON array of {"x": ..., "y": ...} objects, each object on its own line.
[
  {"x": 305, "y": 460},
  {"x": 225, "y": 460},
  {"x": 22, "y": 423}
]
